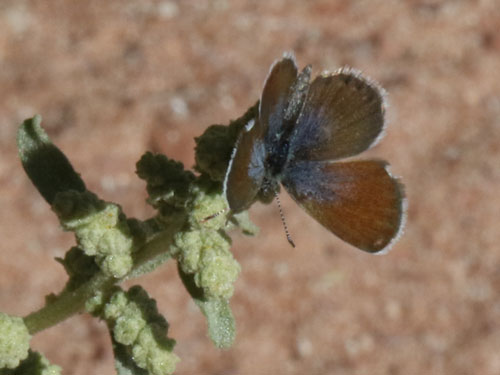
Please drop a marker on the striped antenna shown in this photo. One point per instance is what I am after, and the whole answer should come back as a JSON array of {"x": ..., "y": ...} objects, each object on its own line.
[
  {"x": 288, "y": 237},
  {"x": 213, "y": 216}
]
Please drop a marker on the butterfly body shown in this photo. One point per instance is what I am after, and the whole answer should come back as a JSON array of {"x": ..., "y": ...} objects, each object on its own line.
[{"x": 301, "y": 130}]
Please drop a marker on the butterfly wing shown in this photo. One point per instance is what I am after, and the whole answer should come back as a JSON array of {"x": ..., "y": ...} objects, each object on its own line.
[
  {"x": 246, "y": 170},
  {"x": 358, "y": 201},
  {"x": 275, "y": 96},
  {"x": 343, "y": 115}
]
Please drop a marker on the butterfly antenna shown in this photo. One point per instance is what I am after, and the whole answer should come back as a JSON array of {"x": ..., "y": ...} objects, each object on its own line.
[
  {"x": 213, "y": 216},
  {"x": 288, "y": 237}
]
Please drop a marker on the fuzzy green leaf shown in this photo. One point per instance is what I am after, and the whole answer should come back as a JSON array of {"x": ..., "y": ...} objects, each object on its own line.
[
  {"x": 46, "y": 166},
  {"x": 167, "y": 181},
  {"x": 220, "y": 320}
]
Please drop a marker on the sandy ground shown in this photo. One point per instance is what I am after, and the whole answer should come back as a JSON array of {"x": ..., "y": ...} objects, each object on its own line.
[{"x": 114, "y": 79}]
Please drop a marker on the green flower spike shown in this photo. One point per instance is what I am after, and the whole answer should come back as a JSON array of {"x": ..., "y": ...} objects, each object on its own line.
[
  {"x": 100, "y": 228},
  {"x": 14, "y": 341},
  {"x": 35, "y": 364},
  {"x": 139, "y": 330}
]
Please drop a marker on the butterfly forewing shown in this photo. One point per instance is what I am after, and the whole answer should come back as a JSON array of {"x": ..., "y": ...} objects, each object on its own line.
[
  {"x": 275, "y": 96},
  {"x": 358, "y": 201},
  {"x": 246, "y": 169},
  {"x": 343, "y": 115}
]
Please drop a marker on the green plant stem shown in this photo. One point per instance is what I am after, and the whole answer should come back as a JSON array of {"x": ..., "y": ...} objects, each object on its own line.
[
  {"x": 66, "y": 304},
  {"x": 152, "y": 254}
]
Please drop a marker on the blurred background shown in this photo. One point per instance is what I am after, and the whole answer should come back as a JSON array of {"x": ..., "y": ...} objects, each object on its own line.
[{"x": 114, "y": 79}]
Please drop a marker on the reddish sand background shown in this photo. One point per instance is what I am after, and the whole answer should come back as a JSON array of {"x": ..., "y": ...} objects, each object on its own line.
[{"x": 114, "y": 79}]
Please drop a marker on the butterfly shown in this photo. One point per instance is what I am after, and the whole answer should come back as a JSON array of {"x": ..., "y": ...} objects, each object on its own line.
[{"x": 300, "y": 132}]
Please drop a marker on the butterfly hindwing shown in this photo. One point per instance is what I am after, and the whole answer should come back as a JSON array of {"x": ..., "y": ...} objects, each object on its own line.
[{"x": 359, "y": 201}]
